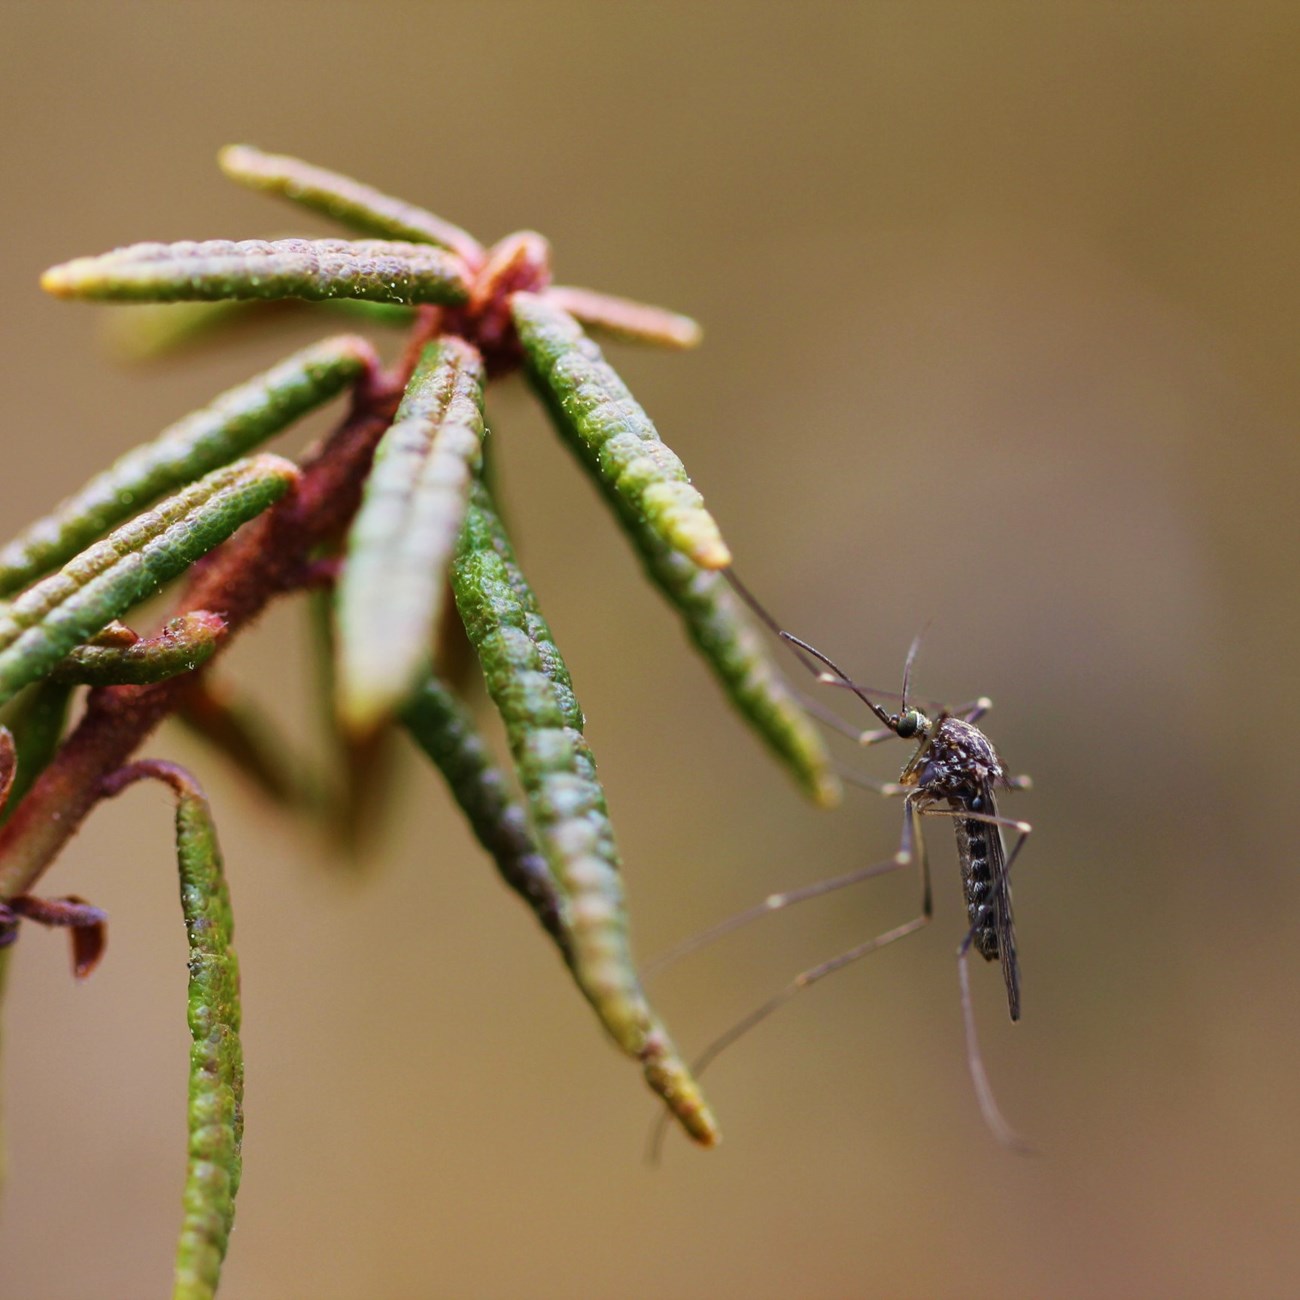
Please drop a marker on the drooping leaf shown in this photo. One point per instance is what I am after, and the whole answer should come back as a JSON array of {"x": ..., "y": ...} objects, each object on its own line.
[
  {"x": 610, "y": 433},
  {"x": 391, "y": 589},
  {"x": 314, "y": 269},
  {"x": 361, "y": 207},
  {"x": 443, "y": 728},
  {"x": 67, "y": 608},
  {"x": 216, "y": 1077},
  {"x": 530, "y": 686},
  {"x": 717, "y": 622},
  {"x": 230, "y": 426}
]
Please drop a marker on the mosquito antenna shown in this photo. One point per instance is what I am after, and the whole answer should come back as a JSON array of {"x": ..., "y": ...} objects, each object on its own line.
[
  {"x": 907, "y": 663},
  {"x": 802, "y": 648}
]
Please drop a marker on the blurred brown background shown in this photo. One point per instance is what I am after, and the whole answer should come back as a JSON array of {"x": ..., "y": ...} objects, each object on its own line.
[{"x": 1001, "y": 309}]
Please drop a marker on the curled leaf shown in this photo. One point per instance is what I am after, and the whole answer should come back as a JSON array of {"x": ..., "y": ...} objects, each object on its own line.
[
  {"x": 530, "y": 686},
  {"x": 230, "y": 426},
  {"x": 216, "y": 1088},
  {"x": 441, "y": 725},
  {"x": 87, "y": 925},
  {"x": 362, "y": 207},
  {"x": 67, "y": 608},
  {"x": 391, "y": 589},
  {"x": 183, "y": 645},
  {"x": 612, "y": 436},
  {"x": 314, "y": 269}
]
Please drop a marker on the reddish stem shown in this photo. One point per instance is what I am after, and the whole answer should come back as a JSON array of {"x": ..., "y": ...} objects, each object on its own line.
[{"x": 265, "y": 559}]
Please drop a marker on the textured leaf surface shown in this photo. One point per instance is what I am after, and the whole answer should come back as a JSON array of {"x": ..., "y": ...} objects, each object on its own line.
[
  {"x": 613, "y": 437},
  {"x": 530, "y": 686},
  {"x": 230, "y": 426},
  {"x": 183, "y": 645},
  {"x": 443, "y": 728},
  {"x": 349, "y": 202},
  {"x": 103, "y": 582},
  {"x": 315, "y": 269},
  {"x": 401, "y": 542},
  {"x": 215, "y": 1112}
]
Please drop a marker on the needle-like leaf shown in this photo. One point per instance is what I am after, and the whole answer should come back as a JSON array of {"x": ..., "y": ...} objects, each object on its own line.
[
  {"x": 314, "y": 269},
  {"x": 622, "y": 318},
  {"x": 612, "y": 436},
  {"x": 216, "y": 1090},
  {"x": 531, "y": 688},
  {"x": 230, "y": 426},
  {"x": 351, "y": 203},
  {"x": 67, "y": 608},
  {"x": 391, "y": 589},
  {"x": 443, "y": 728}
]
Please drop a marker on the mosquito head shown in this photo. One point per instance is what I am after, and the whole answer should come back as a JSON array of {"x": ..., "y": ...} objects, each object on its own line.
[{"x": 909, "y": 723}]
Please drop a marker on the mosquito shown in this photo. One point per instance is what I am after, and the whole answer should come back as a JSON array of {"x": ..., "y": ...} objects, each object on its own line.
[{"x": 955, "y": 772}]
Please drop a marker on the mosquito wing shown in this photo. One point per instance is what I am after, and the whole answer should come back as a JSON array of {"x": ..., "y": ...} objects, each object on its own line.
[{"x": 987, "y": 885}]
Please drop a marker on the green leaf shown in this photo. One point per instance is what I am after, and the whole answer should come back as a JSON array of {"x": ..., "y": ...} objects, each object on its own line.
[
  {"x": 314, "y": 269},
  {"x": 349, "y": 202},
  {"x": 103, "y": 582},
  {"x": 716, "y": 621},
  {"x": 183, "y": 645},
  {"x": 391, "y": 589},
  {"x": 230, "y": 426},
  {"x": 530, "y": 686},
  {"x": 216, "y": 1082},
  {"x": 610, "y": 433},
  {"x": 444, "y": 729}
]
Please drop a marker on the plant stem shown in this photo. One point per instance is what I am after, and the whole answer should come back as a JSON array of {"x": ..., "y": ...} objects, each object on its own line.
[{"x": 265, "y": 559}]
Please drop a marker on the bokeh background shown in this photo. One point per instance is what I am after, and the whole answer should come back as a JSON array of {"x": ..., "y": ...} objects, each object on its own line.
[{"x": 1001, "y": 305}]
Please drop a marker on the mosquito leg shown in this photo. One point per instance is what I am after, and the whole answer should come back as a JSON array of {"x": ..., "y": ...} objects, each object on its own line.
[
  {"x": 912, "y": 841},
  {"x": 993, "y": 1117},
  {"x": 800, "y": 982},
  {"x": 1011, "y": 823},
  {"x": 772, "y": 903}
]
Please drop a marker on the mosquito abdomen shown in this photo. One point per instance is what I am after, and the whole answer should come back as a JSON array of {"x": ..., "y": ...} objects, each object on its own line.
[{"x": 973, "y": 851}]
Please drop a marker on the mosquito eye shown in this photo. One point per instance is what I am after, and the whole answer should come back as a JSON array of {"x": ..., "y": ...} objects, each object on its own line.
[{"x": 908, "y": 725}]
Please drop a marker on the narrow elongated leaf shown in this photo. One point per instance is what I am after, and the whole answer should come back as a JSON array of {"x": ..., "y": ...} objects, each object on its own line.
[
  {"x": 315, "y": 269},
  {"x": 216, "y": 1086},
  {"x": 181, "y": 647},
  {"x": 530, "y": 686},
  {"x": 349, "y": 202},
  {"x": 103, "y": 582},
  {"x": 718, "y": 624},
  {"x": 391, "y": 590},
  {"x": 441, "y": 725},
  {"x": 612, "y": 436},
  {"x": 636, "y": 322},
  {"x": 230, "y": 426}
]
